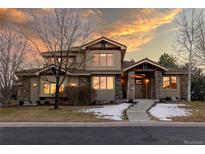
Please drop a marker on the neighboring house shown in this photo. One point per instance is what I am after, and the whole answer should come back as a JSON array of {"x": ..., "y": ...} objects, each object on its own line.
[{"x": 101, "y": 65}]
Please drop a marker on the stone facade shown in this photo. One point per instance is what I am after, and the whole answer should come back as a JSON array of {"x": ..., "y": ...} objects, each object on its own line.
[
  {"x": 23, "y": 93},
  {"x": 184, "y": 87},
  {"x": 131, "y": 85},
  {"x": 118, "y": 87},
  {"x": 84, "y": 81},
  {"x": 158, "y": 84}
]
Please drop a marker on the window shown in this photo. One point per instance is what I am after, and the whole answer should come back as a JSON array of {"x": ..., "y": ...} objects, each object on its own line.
[
  {"x": 169, "y": 82},
  {"x": 61, "y": 89},
  {"x": 103, "y": 82},
  {"x": 105, "y": 59},
  {"x": 50, "y": 88},
  {"x": 109, "y": 60},
  {"x": 53, "y": 88},
  {"x": 46, "y": 88}
]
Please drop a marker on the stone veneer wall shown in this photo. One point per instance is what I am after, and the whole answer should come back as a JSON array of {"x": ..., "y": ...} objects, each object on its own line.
[
  {"x": 24, "y": 89},
  {"x": 158, "y": 84},
  {"x": 184, "y": 87},
  {"x": 118, "y": 87},
  {"x": 131, "y": 85},
  {"x": 84, "y": 80}
]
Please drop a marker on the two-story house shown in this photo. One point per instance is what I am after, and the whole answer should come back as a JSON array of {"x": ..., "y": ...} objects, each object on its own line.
[{"x": 101, "y": 65}]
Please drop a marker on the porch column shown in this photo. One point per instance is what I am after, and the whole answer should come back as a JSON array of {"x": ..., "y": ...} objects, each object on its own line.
[
  {"x": 159, "y": 93},
  {"x": 184, "y": 87},
  {"x": 131, "y": 85}
]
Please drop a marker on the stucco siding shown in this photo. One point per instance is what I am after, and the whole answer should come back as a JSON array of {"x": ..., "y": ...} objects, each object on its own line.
[
  {"x": 34, "y": 89},
  {"x": 80, "y": 59}
]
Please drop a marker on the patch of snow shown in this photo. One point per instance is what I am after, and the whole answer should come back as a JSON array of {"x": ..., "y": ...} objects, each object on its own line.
[
  {"x": 113, "y": 112},
  {"x": 165, "y": 112}
]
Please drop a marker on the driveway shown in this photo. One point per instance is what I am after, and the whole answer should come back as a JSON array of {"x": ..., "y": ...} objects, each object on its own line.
[
  {"x": 101, "y": 135},
  {"x": 138, "y": 112}
]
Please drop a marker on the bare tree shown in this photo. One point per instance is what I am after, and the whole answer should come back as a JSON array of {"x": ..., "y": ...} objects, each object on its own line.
[
  {"x": 13, "y": 49},
  {"x": 57, "y": 30},
  {"x": 201, "y": 42},
  {"x": 186, "y": 38}
]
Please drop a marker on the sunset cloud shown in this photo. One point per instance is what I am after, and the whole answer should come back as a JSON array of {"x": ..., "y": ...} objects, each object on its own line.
[
  {"x": 137, "y": 27},
  {"x": 132, "y": 27},
  {"x": 11, "y": 16}
]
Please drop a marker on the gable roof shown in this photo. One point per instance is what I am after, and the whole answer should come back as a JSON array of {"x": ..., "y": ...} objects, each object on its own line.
[
  {"x": 34, "y": 72},
  {"x": 104, "y": 39},
  {"x": 145, "y": 60},
  {"x": 48, "y": 68},
  {"x": 29, "y": 72}
]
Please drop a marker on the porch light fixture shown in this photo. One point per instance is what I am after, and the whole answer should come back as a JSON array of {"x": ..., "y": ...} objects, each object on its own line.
[
  {"x": 146, "y": 81},
  {"x": 73, "y": 84},
  {"x": 34, "y": 85}
]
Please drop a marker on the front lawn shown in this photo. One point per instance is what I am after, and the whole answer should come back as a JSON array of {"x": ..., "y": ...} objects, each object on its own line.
[
  {"x": 179, "y": 112},
  {"x": 197, "y": 110},
  {"x": 47, "y": 113},
  {"x": 64, "y": 114}
]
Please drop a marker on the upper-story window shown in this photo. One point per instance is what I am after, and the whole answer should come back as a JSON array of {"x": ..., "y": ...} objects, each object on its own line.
[
  {"x": 102, "y": 59},
  {"x": 170, "y": 82}
]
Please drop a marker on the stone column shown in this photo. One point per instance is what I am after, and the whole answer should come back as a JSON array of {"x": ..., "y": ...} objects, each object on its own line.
[
  {"x": 184, "y": 87},
  {"x": 23, "y": 92},
  {"x": 131, "y": 85},
  {"x": 158, "y": 84},
  {"x": 118, "y": 87}
]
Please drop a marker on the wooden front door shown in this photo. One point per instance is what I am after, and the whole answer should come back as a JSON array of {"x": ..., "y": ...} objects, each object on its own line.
[{"x": 139, "y": 88}]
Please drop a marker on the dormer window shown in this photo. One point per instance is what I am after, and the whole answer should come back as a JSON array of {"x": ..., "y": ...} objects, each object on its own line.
[{"x": 102, "y": 59}]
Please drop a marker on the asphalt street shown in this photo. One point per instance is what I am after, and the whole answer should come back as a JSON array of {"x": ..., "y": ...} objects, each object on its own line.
[{"x": 129, "y": 135}]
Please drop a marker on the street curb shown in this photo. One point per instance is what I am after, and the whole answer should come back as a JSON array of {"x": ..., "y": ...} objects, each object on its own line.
[{"x": 102, "y": 124}]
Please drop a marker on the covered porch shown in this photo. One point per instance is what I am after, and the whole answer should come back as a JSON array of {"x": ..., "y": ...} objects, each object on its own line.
[{"x": 143, "y": 80}]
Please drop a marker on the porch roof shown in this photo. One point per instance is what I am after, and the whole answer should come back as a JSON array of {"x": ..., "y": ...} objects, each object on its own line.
[
  {"x": 36, "y": 72},
  {"x": 145, "y": 60}
]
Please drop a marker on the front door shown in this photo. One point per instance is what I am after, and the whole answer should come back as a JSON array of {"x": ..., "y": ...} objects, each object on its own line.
[{"x": 139, "y": 88}]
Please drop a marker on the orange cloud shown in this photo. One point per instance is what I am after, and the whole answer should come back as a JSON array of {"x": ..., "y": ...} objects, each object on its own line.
[
  {"x": 12, "y": 15},
  {"x": 138, "y": 26}
]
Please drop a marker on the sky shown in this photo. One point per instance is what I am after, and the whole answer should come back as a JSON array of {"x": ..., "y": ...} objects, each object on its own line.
[{"x": 145, "y": 32}]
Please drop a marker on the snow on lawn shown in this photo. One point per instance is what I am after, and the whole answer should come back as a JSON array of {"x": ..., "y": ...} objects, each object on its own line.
[
  {"x": 165, "y": 112},
  {"x": 113, "y": 112}
]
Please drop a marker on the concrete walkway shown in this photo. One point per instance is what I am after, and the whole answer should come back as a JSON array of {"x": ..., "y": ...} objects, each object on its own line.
[{"x": 137, "y": 112}]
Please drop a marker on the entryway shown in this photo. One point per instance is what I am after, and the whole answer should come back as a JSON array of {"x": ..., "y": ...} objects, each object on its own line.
[{"x": 143, "y": 85}]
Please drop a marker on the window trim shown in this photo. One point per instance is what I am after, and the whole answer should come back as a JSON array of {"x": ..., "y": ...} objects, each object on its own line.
[
  {"x": 49, "y": 87},
  {"x": 106, "y": 83},
  {"x": 99, "y": 63},
  {"x": 170, "y": 83}
]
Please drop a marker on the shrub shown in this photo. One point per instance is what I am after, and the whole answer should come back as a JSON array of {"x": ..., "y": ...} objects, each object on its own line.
[
  {"x": 47, "y": 103},
  {"x": 83, "y": 95},
  {"x": 21, "y": 103},
  {"x": 38, "y": 102}
]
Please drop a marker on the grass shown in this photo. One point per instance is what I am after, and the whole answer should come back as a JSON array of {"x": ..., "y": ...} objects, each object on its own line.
[
  {"x": 47, "y": 114},
  {"x": 197, "y": 110}
]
